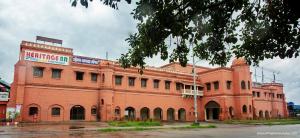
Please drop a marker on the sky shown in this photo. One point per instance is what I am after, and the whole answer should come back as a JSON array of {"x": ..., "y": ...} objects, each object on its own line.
[{"x": 96, "y": 30}]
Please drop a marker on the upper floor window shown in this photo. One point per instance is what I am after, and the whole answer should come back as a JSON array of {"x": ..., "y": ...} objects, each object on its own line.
[
  {"x": 33, "y": 110},
  {"x": 167, "y": 85},
  {"x": 143, "y": 82},
  {"x": 131, "y": 81},
  {"x": 249, "y": 85},
  {"x": 208, "y": 86},
  {"x": 179, "y": 86},
  {"x": 56, "y": 73},
  {"x": 38, "y": 71},
  {"x": 228, "y": 84},
  {"x": 103, "y": 78},
  {"x": 216, "y": 85},
  {"x": 243, "y": 85},
  {"x": 94, "y": 110},
  {"x": 258, "y": 94},
  {"x": 156, "y": 83},
  {"x": 94, "y": 77},
  {"x": 118, "y": 80},
  {"x": 79, "y": 75},
  {"x": 253, "y": 93}
]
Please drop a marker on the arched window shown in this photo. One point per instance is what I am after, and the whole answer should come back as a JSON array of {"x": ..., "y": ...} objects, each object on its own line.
[
  {"x": 244, "y": 109},
  {"x": 117, "y": 111},
  {"x": 103, "y": 78},
  {"x": 243, "y": 85},
  {"x": 55, "y": 111},
  {"x": 33, "y": 110},
  {"x": 102, "y": 102},
  {"x": 94, "y": 110}
]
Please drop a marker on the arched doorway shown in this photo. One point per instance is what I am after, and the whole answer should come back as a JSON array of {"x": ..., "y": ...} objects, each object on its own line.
[
  {"x": 170, "y": 114},
  {"x": 261, "y": 114},
  {"x": 212, "y": 109},
  {"x": 158, "y": 114},
  {"x": 181, "y": 114},
  {"x": 77, "y": 112},
  {"x": 145, "y": 113},
  {"x": 231, "y": 112},
  {"x": 267, "y": 116},
  {"x": 130, "y": 113}
]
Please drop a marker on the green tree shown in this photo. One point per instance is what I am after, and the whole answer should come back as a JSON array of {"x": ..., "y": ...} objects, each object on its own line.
[{"x": 218, "y": 29}]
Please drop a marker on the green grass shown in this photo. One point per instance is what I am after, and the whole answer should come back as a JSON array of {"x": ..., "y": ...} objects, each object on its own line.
[
  {"x": 198, "y": 126},
  {"x": 125, "y": 129},
  {"x": 265, "y": 122},
  {"x": 134, "y": 123}
]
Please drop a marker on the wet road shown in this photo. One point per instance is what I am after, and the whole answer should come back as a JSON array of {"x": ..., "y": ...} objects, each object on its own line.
[{"x": 78, "y": 130}]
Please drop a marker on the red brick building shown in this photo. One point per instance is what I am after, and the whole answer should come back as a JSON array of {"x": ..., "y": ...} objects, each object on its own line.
[
  {"x": 4, "y": 97},
  {"x": 52, "y": 84}
]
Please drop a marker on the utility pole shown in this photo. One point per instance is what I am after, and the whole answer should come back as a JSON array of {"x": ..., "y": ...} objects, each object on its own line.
[{"x": 195, "y": 91}]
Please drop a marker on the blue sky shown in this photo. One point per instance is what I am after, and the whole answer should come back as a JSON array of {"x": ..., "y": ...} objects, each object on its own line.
[{"x": 92, "y": 32}]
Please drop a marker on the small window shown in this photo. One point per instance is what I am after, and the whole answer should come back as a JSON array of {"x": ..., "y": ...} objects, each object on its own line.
[
  {"x": 117, "y": 111},
  {"x": 94, "y": 77},
  {"x": 243, "y": 85},
  {"x": 94, "y": 110},
  {"x": 258, "y": 94},
  {"x": 38, "y": 71},
  {"x": 56, "y": 73},
  {"x": 228, "y": 84},
  {"x": 118, "y": 80},
  {"x": 143, "y": 82},
  {"x": 208, "y": 86},
  {"x": 253, "y": 93},
  {"x": 178, "y": 86},
  {"x": 156, "y": 83},
  {"x": 244, "y": 109},
  {"x": 33, "y": 110},
  {"x": 131, "y": 81},
  {"x": 249, "y": 85},
  {"x": 103, "y": 78},
  {"x": 79, "y": 75},
  {"x": 167, "y": 85},
  {"x": 55, "y": 111},
  {"x": 216, "y": 85},
  {"x": 102, "y": 102}
]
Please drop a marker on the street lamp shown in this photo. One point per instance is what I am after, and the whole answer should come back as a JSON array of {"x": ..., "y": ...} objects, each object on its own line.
[{"x": 195, "y": 92}]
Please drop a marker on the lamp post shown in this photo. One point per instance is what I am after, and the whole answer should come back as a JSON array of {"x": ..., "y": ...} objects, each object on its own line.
[{"x": 195, "y": 89}]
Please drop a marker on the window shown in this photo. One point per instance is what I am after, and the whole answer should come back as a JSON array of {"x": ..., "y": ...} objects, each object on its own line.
[
  {"x": 253, "y": 93},
  {"x": 249, "y": 85},
  {"x": 208, "y": 86},
  {"x": 117, "y": 111},
  {"x": 94, "y": 110},
  {"x": 131, "y": 81},
  {"x": 143, "y": 82},
  {"x": 33, "y": 110},
  {"x": 216, "y": 85},
  {"x": 244, "y": 109},
  {"x": 156, "y": 83},
  {"x": 102, "y": 102},
  {"x": 178, "y": 86},
  {"x": 56, "y": 73},
  {"x": 103, "y": 78},
  {"x": 55, "y": 111},
  {"x": 118, "y": 80},
  {"x": 228, "y": 84},
  {"x": 38, "y": 71},
  {"x": 94, "y": 77},
  {"x": 243, "y": 85},
  {"x": 258, "y": 94},
  {"x": 79, "y": 75},
  {"x": 167, "y": 85}
]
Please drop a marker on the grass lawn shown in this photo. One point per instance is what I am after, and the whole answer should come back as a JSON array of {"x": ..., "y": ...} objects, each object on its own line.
[
  {"x": 134, "y": 123},
  {"x": 265, "y": 122}
]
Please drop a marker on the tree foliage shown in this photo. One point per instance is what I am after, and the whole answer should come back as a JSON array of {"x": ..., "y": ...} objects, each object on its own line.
[{"x": 218, "y": 30}]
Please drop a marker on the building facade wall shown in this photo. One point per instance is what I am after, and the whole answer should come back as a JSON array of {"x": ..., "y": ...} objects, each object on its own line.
[{"x": 105, "y": 100}]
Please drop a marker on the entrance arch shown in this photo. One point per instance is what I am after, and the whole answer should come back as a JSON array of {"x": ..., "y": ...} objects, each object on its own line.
[
  {"x": 267, "y": 115},
  {"x": 130, "y": 113},
  {"x": 145, "y": 113},
  {"x": 231, "y": 112},
  {"x": 158, "y": 114},
  {"x": 261, "y": 114},
  {"x": 212, "y": 109},
  {"x": 77, "y": 112},
  {"x": 170, "y": 114},
  {"x": 181, "y": 114}
]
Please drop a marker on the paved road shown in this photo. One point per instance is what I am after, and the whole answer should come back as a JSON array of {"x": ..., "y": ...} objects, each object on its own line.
[{"x": 224, "y": 131}]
